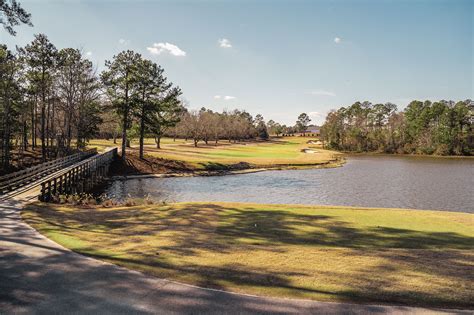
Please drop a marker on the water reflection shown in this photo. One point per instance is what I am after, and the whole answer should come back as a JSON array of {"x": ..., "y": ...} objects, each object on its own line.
[{"x": 380, "y": 181}]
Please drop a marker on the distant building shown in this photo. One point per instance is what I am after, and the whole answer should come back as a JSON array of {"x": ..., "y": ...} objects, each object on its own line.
[{"x": 312, "y": 131}]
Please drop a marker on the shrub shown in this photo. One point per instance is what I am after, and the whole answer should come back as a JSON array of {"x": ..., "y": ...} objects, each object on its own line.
[{"x": 442, "y": 149}]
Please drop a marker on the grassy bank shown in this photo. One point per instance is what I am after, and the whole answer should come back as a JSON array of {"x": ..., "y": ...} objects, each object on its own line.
[
  {"x": 182, "y": 156},
  {"x": 316, "y": 252}
]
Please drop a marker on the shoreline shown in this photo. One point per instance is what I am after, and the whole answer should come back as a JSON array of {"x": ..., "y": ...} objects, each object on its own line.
[
  {"x": 338, "y": 162},
  {"x": 350, "y": 153}
]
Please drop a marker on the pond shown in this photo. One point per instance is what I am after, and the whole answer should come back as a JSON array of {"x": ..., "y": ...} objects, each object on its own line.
[{"x": 367, "y": 181}]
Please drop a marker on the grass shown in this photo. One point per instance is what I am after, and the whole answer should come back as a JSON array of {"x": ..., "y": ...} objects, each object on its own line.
[
  {"x": 316, "y": 252},
  {"x": 280, "y": 152}
]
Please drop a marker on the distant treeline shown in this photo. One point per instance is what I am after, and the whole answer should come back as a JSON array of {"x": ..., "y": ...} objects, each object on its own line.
[
  {"x": 206, "y": 125},
  {"x": 440, "y": 128}
]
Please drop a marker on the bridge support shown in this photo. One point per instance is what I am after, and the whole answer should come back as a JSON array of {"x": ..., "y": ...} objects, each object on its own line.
[{"x": 80, "y": 178}]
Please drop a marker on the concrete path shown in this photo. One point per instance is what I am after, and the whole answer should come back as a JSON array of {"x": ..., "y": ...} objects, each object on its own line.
[{"x": 38, "y": 276}]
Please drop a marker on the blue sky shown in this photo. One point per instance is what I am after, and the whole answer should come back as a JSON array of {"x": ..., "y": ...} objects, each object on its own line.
[{"x": 278, "y": 58}]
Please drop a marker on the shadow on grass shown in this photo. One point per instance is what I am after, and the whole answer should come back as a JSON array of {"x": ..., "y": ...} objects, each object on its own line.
[{"x": 221, "y": 229}]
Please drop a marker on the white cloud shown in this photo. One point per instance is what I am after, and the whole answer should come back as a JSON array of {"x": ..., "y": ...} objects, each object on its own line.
[
  {"x": 158, "y": 48},
  {"x": 225, "y": 98},
  {"x": 322, "y": 93},
  {"x": 89, "y": 53},
  {"x": 225, "y": 43},
  {"x": 124, "y": 41},
  {"x": 337, "y": 40}
]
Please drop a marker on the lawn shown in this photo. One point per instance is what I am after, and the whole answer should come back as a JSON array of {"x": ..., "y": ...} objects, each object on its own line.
[
  {"x": 279, "y": 152},
  {"x": 315, "y": 252}
]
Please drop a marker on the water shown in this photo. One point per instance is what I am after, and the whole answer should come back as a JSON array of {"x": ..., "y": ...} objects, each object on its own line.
[{"x": 367, "y": 181}]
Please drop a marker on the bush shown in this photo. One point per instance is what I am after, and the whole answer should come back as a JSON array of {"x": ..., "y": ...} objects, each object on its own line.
[{"x": 442, "y": 149}]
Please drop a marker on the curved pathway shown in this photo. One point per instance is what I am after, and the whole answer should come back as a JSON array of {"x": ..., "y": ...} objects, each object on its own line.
[{"x": 38, "y": 276}]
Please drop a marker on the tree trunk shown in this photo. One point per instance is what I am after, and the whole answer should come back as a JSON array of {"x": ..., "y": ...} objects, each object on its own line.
[
  {"x": 53, "y": 134},
  {"x": 25, "y": 135},
  {"x": 43, "y": 139},
  {"x": 124, "y": 136},
  {"x": 33, "y": 124},
  {"x": 69, "y": 130},
  {"x": 6, "y": 133},
  {"x": 158, "y": 142},
  {"x": 196, "y": 142},
  {"x": 125, "y": 125},
  {"x": 47, "y": 133},
  {"x": 142, "y": 132}
]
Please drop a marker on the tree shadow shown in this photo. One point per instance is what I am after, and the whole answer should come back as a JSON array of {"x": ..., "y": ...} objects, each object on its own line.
[
  {"x": 214, "y": 228},
  {"x": 38, "y": 276}
]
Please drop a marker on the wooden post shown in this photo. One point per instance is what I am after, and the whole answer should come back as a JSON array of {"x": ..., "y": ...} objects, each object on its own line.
[
  {"x": 48, "y": 195},
  {"x": 60, "y": 189},
  {"x": 43, "y": 188},
  {"x": 55, "y": 187}
]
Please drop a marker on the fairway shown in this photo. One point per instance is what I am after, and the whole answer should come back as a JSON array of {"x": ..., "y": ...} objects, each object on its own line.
[
  {"x": 313, "y": 252},
  {"x": 279, "y": 152}
]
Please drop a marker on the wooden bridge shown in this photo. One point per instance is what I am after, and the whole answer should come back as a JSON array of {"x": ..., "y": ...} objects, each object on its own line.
[
  {"x": 72, "y": 174},
  {"x": 81, "y": 177}
]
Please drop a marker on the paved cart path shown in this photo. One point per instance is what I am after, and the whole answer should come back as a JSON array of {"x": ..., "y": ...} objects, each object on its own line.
[{"x": 38, "y": 276}]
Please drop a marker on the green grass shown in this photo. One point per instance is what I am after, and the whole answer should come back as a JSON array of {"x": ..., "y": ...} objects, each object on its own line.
[
  {"x": 316, "y": 252},
  {"x": 278, "y": 152}
]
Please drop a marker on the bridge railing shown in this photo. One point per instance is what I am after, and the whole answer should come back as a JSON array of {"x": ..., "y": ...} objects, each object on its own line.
[
  {"x": 18, "y": 179},
  {"x": 80, "y": 178}
]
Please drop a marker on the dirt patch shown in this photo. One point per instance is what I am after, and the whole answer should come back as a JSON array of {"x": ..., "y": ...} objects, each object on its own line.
[{"x": 133, "y": 165}]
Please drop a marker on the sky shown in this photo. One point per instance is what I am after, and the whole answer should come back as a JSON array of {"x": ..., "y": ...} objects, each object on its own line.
[{"x": 277, "y": 58}]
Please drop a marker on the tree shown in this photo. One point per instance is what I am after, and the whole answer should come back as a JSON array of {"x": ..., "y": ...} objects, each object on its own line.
[
  {"x": 302, "y": 122},
  {"x": 120, "y": 82},
  {"x": 71, "y": 69},
  {"x": 194, "y": 126},
  {"x": 167, "y": 114},
  {"x": 150, "y": 85},
  {"x": 10, "y": 101},
  {"x": 277, "y": 129},
  {"x": 261, "y": 127},
  {"x": 41, "y": 58},
  {"x": 424, "y": 127},
  {"x": 12, "y": 14},
  {"x": 90, "y": 104}
]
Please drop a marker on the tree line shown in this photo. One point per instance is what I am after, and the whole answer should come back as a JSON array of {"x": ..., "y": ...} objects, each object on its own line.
[
  {"x": 440, "y": 128},
  {"x": 54, "y": 99},
  {"x": 47, "y": 96},
  {"x": 209, "y": 126}
]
